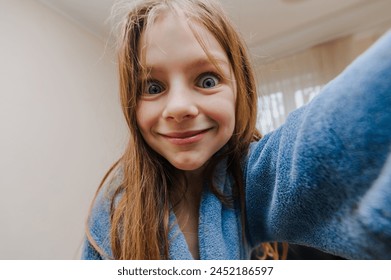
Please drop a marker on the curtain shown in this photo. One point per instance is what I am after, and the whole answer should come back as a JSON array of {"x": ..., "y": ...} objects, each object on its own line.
[{"x": 290, "y": 82}]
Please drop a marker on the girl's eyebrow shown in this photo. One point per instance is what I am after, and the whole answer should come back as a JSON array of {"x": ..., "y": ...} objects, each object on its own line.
[
  {"x": 206, "y": 61},
  {"x": 196, "y": 63}
]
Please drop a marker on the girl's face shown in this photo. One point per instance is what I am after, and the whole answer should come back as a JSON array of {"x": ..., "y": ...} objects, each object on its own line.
[{"x": 187, "y": 112}]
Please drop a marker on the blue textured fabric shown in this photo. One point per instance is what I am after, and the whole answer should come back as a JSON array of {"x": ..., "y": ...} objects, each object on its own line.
[{"x": 323, "y": 179}]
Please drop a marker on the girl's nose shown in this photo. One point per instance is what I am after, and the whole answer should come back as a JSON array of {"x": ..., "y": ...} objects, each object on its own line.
[{"x": 181, "y": 105}]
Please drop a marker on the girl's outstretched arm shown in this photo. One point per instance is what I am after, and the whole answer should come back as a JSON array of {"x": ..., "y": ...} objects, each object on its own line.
[{"x": 324, "y": 178}]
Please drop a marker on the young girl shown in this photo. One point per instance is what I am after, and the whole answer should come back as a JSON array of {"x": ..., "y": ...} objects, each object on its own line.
[{"x": 196, "y": 181}]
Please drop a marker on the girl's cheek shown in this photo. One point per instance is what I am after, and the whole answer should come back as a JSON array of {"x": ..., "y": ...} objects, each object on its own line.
[
  {"x": 143, "y": 115},
  {"x": 222, "y": 110}
]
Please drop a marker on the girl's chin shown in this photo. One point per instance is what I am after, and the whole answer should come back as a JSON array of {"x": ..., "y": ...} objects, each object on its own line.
[{"x": 189, "y": 166}]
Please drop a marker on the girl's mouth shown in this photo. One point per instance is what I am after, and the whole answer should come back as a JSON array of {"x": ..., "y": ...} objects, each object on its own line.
[{"x": 185, "y": 138}]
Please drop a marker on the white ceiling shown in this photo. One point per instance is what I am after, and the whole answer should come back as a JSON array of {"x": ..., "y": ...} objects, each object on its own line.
[{"x": 270, "y": 27}]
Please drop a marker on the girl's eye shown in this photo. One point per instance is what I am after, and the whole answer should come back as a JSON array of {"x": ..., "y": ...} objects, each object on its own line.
[
  {"x": 154, "y": 87},
  {"x": 208, "y": 80}
]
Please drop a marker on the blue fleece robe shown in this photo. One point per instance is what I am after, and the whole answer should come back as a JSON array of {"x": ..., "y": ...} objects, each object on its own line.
[{"x": 323, "y": 179}]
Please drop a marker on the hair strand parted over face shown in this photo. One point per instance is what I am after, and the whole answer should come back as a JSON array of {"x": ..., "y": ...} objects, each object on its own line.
[{"x": 139, "y": 218}]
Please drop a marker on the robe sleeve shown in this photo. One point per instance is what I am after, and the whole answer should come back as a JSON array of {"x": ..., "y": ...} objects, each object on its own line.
[{"x": 323, "y": 179}]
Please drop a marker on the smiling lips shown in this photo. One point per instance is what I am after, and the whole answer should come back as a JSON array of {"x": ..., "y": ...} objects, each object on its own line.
[{"x": 185, "y": 138}]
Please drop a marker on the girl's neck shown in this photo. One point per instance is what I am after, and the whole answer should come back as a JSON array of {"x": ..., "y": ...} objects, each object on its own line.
[
  {"x": 195, "y": 181},
  {"x": 189, "y": 184},
  {"x": 187, "y": 209}
]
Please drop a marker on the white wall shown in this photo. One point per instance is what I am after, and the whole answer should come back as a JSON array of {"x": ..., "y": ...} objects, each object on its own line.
[{"x": 60, "y": 129}]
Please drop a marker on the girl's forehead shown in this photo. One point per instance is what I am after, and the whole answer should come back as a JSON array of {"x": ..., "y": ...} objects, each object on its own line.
[
  {"x": 172, "y": 33},
  {"x": 172, "y": 24}
]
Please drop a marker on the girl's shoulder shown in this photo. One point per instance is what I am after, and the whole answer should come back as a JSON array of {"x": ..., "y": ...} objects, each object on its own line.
[{"x": 99, "y": 223}]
